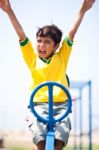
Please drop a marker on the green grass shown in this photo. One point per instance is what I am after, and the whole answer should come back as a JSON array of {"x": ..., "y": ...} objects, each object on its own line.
[
  {"x": 95, "y": 147},
  {"x": 18, "y": 148}
]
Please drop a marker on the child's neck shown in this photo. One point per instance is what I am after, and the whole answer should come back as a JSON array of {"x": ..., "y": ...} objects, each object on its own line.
[{"x": 48, "y": 59}]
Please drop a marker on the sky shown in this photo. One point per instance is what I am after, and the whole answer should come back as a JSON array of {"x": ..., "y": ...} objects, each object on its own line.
[{"x": 14, "y": 75}]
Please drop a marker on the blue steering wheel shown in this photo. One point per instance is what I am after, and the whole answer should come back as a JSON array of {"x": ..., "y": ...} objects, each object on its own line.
[{"x": 50, "y": 120}]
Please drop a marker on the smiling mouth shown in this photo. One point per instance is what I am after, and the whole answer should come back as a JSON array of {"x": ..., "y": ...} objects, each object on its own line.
[{"x": 42, "y": 51}]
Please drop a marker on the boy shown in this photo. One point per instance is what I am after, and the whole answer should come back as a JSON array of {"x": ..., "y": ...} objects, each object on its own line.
[{"x": 47, "y": 65}]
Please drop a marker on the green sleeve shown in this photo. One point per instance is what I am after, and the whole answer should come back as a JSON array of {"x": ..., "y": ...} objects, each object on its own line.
[
  {"x": 23, "y": 43},
  {"x": 68, "y": 41}
]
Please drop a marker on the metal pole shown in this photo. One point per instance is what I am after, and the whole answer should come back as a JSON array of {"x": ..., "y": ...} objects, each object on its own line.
[
  {"x": 80, "y": 109},
  {"x": 75, "y": 125},
  {"x": 90, "y": 115}
]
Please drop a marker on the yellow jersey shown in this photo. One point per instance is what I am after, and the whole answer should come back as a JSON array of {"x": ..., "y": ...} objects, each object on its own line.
[{"x": 42, "y": 72}]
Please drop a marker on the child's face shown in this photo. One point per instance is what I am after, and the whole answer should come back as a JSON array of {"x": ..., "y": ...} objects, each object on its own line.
[{"x": 45, "y": 47}]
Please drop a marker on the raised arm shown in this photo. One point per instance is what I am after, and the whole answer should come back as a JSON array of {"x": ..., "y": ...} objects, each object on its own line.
[
  {"x": 86, "y": 5},
  {"x": 6, "y": 7}
]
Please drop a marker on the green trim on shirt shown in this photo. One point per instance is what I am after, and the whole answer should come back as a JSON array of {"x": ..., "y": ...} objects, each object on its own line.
[
  {"x": 47, "y": 61},
  {"x": 23, "y": 43},
  {"x": 68, "y": 41}
]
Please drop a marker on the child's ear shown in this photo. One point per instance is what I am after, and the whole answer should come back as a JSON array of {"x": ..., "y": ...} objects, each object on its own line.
[{"x": 56, "y": 46}]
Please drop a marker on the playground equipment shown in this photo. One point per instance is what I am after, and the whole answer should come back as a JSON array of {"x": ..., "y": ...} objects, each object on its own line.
[
  {"x": 50, "y": 120},
  {"x": 78, "y": 112}
]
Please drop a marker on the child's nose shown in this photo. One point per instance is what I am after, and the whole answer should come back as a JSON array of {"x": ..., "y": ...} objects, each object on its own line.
[{"x": 42, "y": 44}]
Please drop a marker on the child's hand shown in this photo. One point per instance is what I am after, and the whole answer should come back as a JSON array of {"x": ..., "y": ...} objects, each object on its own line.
[
  {"x": 87, "y": 4},
  {"x": 5, "y": 5}
]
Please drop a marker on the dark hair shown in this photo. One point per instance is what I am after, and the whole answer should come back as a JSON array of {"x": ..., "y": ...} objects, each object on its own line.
[{"x": 52, "y": 31}]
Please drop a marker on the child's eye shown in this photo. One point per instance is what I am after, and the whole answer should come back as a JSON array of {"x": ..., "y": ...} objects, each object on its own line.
[
  {"x": 47, "y": 42},
  {"x": 39, "y": 41}
]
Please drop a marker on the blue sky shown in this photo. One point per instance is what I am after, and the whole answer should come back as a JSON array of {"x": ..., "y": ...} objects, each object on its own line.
[{"x": 14, "y": 74}]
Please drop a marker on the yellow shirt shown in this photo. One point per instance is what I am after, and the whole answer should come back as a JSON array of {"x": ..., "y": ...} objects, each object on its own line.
[{"x": 43, "y": 72}]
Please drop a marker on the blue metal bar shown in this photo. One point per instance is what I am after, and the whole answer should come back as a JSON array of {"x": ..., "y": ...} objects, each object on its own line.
[
  {"x": 50, "y": 101},
  {"x": 80, "y": 119},
  {"x": 75, "y": 125},
  {"x": 50, "y": 134},
  {"x": 90, "y": 117},
  {"x": 50, "y": 141}
]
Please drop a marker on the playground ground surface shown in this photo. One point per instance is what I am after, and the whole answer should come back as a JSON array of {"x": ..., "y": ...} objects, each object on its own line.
[
  {"x": 95, "y": 147},
  {"x": 22, "y": 140}
]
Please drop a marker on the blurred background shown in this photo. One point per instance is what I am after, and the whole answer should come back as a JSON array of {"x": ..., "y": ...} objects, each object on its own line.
[{"x": 82, "y": 68}]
